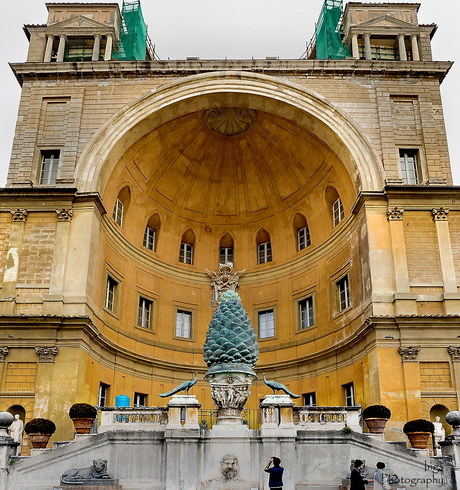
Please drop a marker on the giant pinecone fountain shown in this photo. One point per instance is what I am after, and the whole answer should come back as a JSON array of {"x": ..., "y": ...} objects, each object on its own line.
[{"x": 231, "y": 352}]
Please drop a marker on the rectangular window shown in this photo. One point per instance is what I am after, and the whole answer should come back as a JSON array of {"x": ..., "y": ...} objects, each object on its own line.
[
  {"x": 145, "y": 311},
  {"x": 344, "y": 293},
  {"x": 110, "y": 293},
  {"x": 140, "y": 400},
  {"x": 408, "y": 166},
  {"x": 49, "y": 169},
  {"x": 337, "y": 211},
  {"x": 149, "y": 238},
  {"x": 118, "y": 212},
  {"x": 349, "y": 392},
  {"x": 183, "y": 324},
  {"x": 186, "y": 253},
  {"x": 103, "y": 392},
  {"x": 266, "y": 324},
  {"x": 303, "y": 238},
  {"x": 264, "y": 253},
  {"x": 309, "y": 399},
  {"x": 306, "y": 312},
  {"x": 226, "y": 255}
]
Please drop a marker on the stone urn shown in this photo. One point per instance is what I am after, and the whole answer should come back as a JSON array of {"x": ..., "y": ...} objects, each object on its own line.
[
  {"x": 418, "y": 431},
  {"x": 231, "y": 352},
  {"x": 39, "y": 431},
  {"x": 83, "y": 416},
  {"x": 376, "y": 418}
]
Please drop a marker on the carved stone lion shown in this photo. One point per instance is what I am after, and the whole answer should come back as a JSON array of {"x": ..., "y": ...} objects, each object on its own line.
[
  {"x": 229, "y": 467},
  {"x": 95, "y": 472}
]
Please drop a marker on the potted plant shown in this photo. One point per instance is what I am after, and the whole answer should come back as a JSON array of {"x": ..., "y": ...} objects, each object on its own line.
[
  {"x": 83, "y": 416},
  {"x": 39, "y": 431},
  {"x": 418, "y": 431},
  {"x": 376, "y": 418}
]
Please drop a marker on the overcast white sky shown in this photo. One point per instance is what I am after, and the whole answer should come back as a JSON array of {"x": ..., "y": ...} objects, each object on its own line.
[{"x": 214, "y": 29}]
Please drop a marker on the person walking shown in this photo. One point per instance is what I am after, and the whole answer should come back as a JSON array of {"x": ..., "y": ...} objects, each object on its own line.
[
  {"x": 381, "y": 478},
  {"x": 357, "y": 482},
  {"x": 276, "y": 473}
]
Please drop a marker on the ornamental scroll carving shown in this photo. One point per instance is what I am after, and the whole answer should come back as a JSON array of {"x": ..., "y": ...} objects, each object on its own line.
[
  {"x": 19, "y": 214},
  {"x": 230, "y": 121},
  {"x": 454, "y": 352},
  {"x": 224, "y": 280},
  {"x": 46, "y": 354},
  {"x": 395, "y": 214},
  {"x": 409, "y": 354},
  {"x": 440, "y": 214},
  {"x": 3, "y": 353},
  {"x": 64, "y": 214}
]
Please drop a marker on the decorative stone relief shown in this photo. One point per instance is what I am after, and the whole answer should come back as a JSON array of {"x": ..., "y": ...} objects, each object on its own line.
[
  {"x": 46, "y": 354},
  {"x": 95, "y": 475},
  {"x": 454, "y": 352},
  {"x": 440, "y": 214},
  {"x": 224, "y": 280},
  {"x": 230, "y": 121},
  {"x": 229, "y": 467},
  {"x": 3, "y": 353},
  {"x": 64, "y": 214},
  {"x": 395, "y": 214},
  {"x": 409, "y": 354},
  {"x": 19, "y": 214}
]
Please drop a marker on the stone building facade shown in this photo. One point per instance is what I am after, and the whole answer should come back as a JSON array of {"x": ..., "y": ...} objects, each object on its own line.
[{"x": 327, "y": 181}]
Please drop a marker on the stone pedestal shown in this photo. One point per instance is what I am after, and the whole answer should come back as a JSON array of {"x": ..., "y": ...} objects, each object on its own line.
[
  {"x": 191, "y": 406},
  {"x": 277, "y": 412},
  {"x": 108, "y": 486}
]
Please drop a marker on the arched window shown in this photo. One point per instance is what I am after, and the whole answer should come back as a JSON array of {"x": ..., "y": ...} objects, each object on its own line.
[
  {"x": 264, "y": 247},
  {"x": 226, "y": 250},
  {"x": 120, "y": 206},
  {"x": 303, "y": 233},
  {"x": 151, "y": 232},
  {"x": 186, "y": 247},
  {"x": 336, "y": 206}
]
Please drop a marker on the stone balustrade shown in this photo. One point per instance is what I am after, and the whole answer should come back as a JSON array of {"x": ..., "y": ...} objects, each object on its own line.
[
  {"x": 129, "y": 418},
  {"x": 328, "y": 418}
]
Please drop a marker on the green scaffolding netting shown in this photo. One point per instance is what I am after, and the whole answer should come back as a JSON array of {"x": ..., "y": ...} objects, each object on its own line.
[
  {"x": 328, "y": 39},
  {"x": 133, "y": 35}
]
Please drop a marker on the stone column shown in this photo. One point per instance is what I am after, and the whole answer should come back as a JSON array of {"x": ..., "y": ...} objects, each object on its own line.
[
  {"x": 451, "y": 297},
  {"x": 53, "y": 303},
  {"x": 108, "y": 47},
  {"x": 402, "y": 48},
  {"x": 49, "y": 48},
  {"x": 415, "y": 51},
  {"x": 354, "y": 46},
  {"x": 411, "y": 381},
  {"x": 45, "y": 366},
  {"x": 454, "y": 353},
  {"x": 277, "y": 416},
  {"x": 96, "y": 47},
  {"x": 61, "y": 48},
  {"x": 367, "y": 46},
  {"x": 405, "y": 302}
]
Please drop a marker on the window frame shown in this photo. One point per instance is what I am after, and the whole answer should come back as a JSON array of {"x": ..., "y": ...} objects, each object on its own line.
[
  {"x": 226, "y": 254},
  {"x": 183, "y": 253},
  {"x": 266, "y": 249},
  {"x": 138, "y": 395},
  {"x": 53, "y": 167},
  {"x": 180, "y": 308},
  {"x": 415, "y": 153},
  {"x": 143, "y": 298},
  {"x": 103, "y": 388},
  {"x": 111, "y": 280},
  {"x": 307, "y": 238},
  {"x": 149, "y": 241},
  {"x": 345, "y": 279},
  {"x": 311, "y": 395},
  {"x": 338, "y": 213},
  {"x": 311, "y": 299},
  {"x": 258, "y": 313},
  {"x": 118, "y": 212},
  {"x": 349, "y": 393}
]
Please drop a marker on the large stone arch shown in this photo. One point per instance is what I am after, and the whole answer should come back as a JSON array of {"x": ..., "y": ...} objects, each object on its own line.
[{"x": 308, "y": 110}]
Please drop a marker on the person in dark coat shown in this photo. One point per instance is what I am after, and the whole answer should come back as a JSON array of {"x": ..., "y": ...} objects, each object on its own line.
[
  {"x": 356, "y": 480},
  {"x": 276, "y": 473}
]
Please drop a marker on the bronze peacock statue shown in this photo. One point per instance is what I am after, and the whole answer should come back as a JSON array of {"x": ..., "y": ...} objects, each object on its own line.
[
  {"x": 185, "y": 386},
  {"x": 277, "y": 387}
]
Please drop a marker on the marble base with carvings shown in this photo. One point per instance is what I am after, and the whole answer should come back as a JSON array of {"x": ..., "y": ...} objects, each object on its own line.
[{"x": 107, "y": 485}]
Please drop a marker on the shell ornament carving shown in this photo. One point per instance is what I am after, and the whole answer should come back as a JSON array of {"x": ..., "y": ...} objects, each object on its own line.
[{"x": 230, "y": 121}]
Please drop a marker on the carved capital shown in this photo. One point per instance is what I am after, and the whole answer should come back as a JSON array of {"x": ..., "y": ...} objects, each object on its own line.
[
  {"x": 64, "y": 214},
  {"x": 395, "y": 214},
  {"x": 46, "y": 354},
  {"x": 3, "y": 353},
  {"x": 454, "y": 353},
  {"x": 19, "y": 214},
  {"x": 440, "y": 214},
  {"x": 409, "y": 354}
]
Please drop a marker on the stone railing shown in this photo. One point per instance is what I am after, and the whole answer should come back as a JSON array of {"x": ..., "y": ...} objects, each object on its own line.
[
  {"x": 129, "y": 418},
  {"x": 328, "y": 418}
]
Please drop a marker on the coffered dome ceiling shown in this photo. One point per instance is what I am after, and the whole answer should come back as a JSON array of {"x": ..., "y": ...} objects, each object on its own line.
[{"x": 248, "y": 168}]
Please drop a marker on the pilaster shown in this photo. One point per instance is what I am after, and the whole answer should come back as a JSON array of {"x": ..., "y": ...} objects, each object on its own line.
[{"x": 411, "y": 381}]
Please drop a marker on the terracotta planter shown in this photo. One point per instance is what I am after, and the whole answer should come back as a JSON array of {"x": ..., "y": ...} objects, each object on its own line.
[
  {"x": 82, "y": 426},
  {"x": 39, "y": 441},
  {"x": 376, "y": 425},
  {"x": 418, "y": 440}
]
